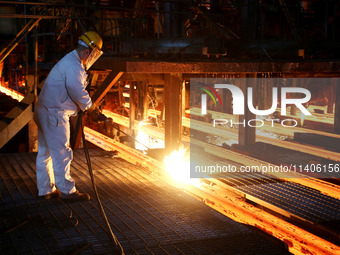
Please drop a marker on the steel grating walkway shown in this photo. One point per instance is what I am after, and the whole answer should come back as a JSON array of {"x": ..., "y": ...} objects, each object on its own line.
[
  {"x": 148, "y": 216},
  {"x": 300, "y": 205},
  {"x": 301, "y": 201}
]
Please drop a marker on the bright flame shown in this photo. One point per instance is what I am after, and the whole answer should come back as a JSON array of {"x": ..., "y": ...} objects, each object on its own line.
[
  {"x": 177, "y": 165},
  {"x": 147, "y": 140},
  {"x": 142, "y": 138},
  {"x": 12, "y": 93},
  {"x": 128, "y": 86}
]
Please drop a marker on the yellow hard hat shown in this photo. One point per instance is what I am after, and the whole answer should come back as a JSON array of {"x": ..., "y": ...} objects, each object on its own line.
[{"x": 92, "y": 39}]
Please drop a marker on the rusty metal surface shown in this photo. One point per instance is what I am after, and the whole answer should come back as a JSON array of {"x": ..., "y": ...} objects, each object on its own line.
[
  {"x": 226, "y": 67},
  {"x": 148, "y": 216},
  {"x": 309, "y": 68}
]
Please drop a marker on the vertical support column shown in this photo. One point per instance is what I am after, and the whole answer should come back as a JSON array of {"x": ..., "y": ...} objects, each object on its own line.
[
  {"x": 331, "y": 95},
  {"x": 140, "y": 102},
  {"x": 132, "y": 107},
  {"x": 173, "y": 111},
  {"x": 145, "y": 99},
  {"x": 246, "y": 134},
  {"x": 337, "y": 107},
  {"x": 184, "y": 98}
]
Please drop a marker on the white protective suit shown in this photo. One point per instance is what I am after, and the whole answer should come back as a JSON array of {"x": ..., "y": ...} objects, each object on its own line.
[{"x": 62, "y": 95}]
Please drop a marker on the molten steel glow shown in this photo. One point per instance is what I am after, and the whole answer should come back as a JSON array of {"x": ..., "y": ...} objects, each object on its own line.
[
  {"x": 142, "y": 138},
  {"x": 177, "y": 165},
  {"x": 12, "y": 93},
  {"x": 147, "y": 140}
]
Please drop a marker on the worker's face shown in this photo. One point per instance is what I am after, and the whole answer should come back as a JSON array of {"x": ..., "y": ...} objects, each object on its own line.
[
  {"x": 91, "y": 57},
  {"x": 87, "y": 53},
  {"x": 84, "y": 56}
]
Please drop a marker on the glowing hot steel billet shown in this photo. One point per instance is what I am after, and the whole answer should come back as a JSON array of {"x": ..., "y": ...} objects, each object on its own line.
[{"x": 12, "y": 93}]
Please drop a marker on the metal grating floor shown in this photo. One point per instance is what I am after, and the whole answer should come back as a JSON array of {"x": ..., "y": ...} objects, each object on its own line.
[
  {"x": 302, "y": 201},
  {"x": 147, "y": 216}
]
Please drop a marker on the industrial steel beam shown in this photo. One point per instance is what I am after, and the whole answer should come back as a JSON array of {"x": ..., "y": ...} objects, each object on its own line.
[
  {"x": 20, "y": 117},
  {"x": 107, "y": 84},
  {"x": 232, "y": 67},
  {"x": 27, "y": 16},
  {"x": 17, "y": 118},
  {"x": 129, "y": 154},
  {"x": 124, "y": 121},
  {"x": 305, "y": 68},
  {"x": 173, "y": 111},
  {"x": 152, "y": 79}
]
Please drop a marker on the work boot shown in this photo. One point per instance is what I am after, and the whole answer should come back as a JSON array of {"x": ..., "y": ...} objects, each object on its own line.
[
  {"x": 53, "y": 194},
  {"x": 76, "y": 196}
]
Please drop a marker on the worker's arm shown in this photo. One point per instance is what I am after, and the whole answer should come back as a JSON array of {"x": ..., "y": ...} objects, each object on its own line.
[{"x": 75, "y": 79}]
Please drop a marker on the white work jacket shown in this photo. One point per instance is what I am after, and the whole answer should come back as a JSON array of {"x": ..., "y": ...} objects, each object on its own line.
[{"x": 64, "y": 90}]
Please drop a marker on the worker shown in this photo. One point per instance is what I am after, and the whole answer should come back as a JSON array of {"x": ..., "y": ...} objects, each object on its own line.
[{"x": 62, "y": 96}]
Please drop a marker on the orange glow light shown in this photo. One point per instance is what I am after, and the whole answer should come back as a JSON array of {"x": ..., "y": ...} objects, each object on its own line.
[
  {"x": 12, "y": 93},
  {"x": 177, "y": 164}
]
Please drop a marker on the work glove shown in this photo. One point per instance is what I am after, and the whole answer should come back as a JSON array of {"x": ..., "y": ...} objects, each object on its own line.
[
  {"x": 92, "y": 108},
  {"x": 95, "y": 114}
]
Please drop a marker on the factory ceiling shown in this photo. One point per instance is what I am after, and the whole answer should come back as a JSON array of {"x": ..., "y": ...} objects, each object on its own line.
[{"x": 225, "y": 30}]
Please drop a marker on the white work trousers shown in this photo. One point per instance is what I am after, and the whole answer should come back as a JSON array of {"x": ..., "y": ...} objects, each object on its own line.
[{"x": 54, "y": 154}]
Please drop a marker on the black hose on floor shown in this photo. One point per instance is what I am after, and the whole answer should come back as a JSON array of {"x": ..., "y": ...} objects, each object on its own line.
[{"x": 117, "y": 248}]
